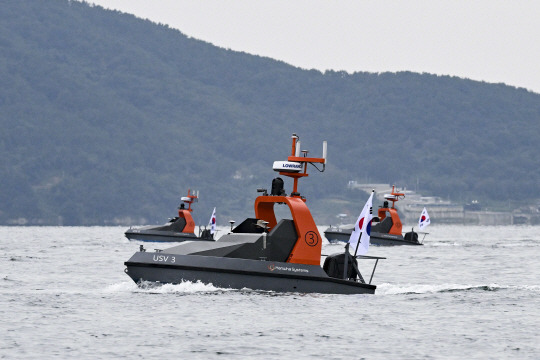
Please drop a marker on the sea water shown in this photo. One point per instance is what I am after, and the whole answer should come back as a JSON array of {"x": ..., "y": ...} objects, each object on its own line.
[{"x": 469, "y": 293}]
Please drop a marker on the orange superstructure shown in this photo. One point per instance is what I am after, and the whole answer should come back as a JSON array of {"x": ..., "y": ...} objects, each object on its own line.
[
  {"x": 186, "y": 213},
  {"x": 307, "y": 249},
  {"x": 394, "y": 196}
]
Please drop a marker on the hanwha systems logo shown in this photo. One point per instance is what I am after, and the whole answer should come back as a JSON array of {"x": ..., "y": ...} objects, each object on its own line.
[
  {"x": 311, "y": 238},
  {"x": 271, "y": 267}
]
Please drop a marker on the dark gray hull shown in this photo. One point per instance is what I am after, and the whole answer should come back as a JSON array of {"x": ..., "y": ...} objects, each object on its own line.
[
  {"x": 376, "y": 238},
  {"x": 235, "y": 273},
  {"x": 161, "y": 236}
]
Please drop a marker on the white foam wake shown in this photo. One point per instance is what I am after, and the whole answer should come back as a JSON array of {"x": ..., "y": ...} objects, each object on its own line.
[
  {"x": 185, "y": 287},
  {"x": 393, "y": 289}
]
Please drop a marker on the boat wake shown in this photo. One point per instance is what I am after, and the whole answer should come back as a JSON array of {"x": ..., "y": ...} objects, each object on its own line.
[
  {"x": 185, "y": 288},
  {"x": 499, "y": 243},
  {"x": 188, "y": 287},
  {"x": 442, "y": 244},
  {"x": 147, "y": 287},
  {"x": 405, "y": 289}
]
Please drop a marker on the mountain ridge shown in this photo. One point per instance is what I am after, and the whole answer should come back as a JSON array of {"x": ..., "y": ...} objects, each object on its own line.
[{"x": 108, "y": 118}]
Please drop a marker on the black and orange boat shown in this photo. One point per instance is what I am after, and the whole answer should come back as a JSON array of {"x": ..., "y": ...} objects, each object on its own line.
[
  {"x": 386, "y": 228},
  {"x": 177, "y": 229},
  {"x": 261, "y": 253}
]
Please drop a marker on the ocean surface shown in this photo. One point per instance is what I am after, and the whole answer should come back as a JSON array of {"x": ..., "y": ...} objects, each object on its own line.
[{"x": 470, "y": 293}]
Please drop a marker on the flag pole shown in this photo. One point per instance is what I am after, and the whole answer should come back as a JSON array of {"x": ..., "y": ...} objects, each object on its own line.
[
  {"x": 357, "y": 244},
  {"x": 346, "y": 264}
]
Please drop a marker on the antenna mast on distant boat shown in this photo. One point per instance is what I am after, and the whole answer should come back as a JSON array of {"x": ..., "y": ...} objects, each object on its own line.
[
  {"x": 394, "y": 196},
  {"x": 190, "y": 198}
]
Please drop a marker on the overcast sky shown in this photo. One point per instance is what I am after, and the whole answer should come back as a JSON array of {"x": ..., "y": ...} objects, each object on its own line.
[{"x": 490, "y": 40}]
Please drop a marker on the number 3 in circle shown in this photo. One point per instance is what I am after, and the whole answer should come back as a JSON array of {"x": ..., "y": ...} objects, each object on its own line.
[{"x": 311, "y": 238}]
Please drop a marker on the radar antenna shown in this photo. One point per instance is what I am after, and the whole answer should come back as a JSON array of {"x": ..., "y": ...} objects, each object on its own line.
[{"x": 296, "y": 165}]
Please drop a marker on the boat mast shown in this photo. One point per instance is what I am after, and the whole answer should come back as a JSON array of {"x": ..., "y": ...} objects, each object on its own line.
[
  {"x": 190, "y": 198},
  {"x": 304, "y": 160},
  {"x": 395, "y": 196}
]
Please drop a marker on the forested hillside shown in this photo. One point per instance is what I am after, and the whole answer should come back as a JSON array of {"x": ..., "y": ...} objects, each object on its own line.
[{"x": 107, "y": 118}]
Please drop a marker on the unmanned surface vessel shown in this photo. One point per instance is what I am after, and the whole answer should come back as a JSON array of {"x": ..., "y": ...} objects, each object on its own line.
[
  {"x": 261, "y": 253},
  {"x": 177, "y": 229},
  {"x": 386, "y": 228}
]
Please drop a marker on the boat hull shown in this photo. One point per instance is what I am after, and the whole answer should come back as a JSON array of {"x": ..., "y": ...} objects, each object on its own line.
[
  {"x": 235, "y": 273},
  {"x": 378, "y": 239},
  {"x": 161, "y": 236}
]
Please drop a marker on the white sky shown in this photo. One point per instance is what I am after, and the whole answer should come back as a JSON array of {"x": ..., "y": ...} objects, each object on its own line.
[{"x": 490, "y": 40}]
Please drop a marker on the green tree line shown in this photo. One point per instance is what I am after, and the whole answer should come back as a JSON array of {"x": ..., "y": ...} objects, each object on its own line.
[{"x": 108, "y": 119}]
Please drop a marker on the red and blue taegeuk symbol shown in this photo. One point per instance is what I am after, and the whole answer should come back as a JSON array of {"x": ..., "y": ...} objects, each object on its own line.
[{"x": 368, "y": 226}]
